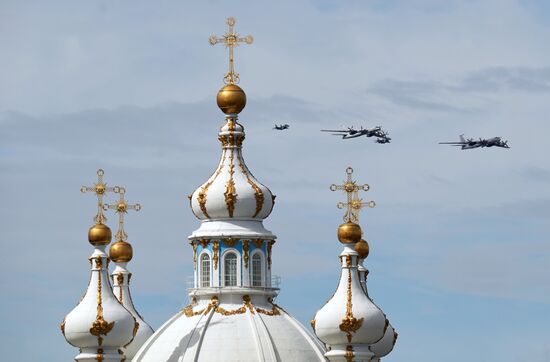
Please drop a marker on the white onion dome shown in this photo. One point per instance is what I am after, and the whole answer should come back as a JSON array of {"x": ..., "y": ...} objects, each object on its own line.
[
  {"x": 362, "y": 248},
  {"x": 121, "y": 289},
  {"x": 384, "y": 346},
  {"x": 232, "y": 316},
  {"x": 99, "y": 325},
  {"x": 349, "y": 322},
  {"x": 363, "y": 272},
  {"x": 232, "y": 192},
  {"x": 349, "y": 316}
]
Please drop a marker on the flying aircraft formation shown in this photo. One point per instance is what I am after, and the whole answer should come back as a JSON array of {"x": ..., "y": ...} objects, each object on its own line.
[
  {"x": 382, "y": 137},
  {"x": 470, "y": 143}
]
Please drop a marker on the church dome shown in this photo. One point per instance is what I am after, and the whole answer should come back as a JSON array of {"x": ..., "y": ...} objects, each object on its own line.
[
  {"x": 232, "y": 317},
  {"x": 232, "y": 192},
  {"x": 99, "y": 324},
  {"x": 350, "y": 316},
  {"x": 384, "y": 346},
  {"x": 243, "y": 329}
]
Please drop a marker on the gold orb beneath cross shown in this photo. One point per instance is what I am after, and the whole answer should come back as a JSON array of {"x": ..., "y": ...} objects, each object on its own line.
[
  {"x": 121, "y": 252},
  {"x": 349, "y": 233},
  {"x": 362, "y": 248},
  {"x": 99, "y": 234},
  {"x": 231, "y": 99}
]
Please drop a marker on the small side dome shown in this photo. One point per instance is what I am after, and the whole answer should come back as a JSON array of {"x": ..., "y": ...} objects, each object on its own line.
[
  {"x": 384, "y": 346},
  {"x": 231, "y": 99},
  {"x": 121, "y": 252},
  {"x": 362, "y": 248},
  {"x": 349, "y": 233},
  {"x": 99, "y": 234}
]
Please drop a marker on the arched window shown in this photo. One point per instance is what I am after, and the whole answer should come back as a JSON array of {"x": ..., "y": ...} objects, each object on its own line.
[
  {"x": 205, "y": 270},
  {"x": 230, "y": 270},
  {"x": 256, "y": 270}
]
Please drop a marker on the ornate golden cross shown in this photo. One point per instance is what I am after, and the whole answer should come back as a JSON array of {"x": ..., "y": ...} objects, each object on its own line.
[
  {"x": 121, "y": 208},
  {"x": 100, "y": 189},
  {"x": 231, "y": 40},
  {"x": 354, "y": 204}
]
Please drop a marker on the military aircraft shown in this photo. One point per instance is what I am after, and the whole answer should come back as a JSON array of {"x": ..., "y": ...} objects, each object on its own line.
[
  {"x": 470, "y": 143},
  {"x": 383, "y": 138},
  {"x": 281, "y": 127},
  {"x": 354, "y": 133}
]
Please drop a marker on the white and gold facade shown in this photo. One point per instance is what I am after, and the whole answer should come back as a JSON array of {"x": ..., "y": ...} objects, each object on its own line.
[
  {"x": 121, "y": 253},
  {"x": 99, "y": 325},
  {"x": 232, "y": 315},
  {"x": 350, "y": 325},
  {"x": 105, "y": 325}
]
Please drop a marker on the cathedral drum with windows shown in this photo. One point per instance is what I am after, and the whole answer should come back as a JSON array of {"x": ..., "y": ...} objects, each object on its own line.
[{"x": 231, "y": 315}]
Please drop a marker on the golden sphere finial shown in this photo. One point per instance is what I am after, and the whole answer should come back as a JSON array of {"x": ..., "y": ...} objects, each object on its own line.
[
  {"x": 99, "y": 234},
  {"x": 231, "y": 99},
  {"x": 349, "y": 233},
  {"x": 362, "y": 248},
  {"x": 121, "y": 252}
]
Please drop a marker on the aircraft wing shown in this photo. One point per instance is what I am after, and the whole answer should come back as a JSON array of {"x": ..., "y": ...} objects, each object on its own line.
[
  {"x": 453, "y": 143},
  {"x": 334, "y": 130},
  {"x": 348, "y": 136}
]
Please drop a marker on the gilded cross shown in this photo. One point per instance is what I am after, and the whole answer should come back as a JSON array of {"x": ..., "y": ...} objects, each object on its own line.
[
  {"x": 121, "y": 208},
  {"x": 354, "y": 203},
  {"x": 231, "y": 40},
  {"x": 100, "y": 188}
]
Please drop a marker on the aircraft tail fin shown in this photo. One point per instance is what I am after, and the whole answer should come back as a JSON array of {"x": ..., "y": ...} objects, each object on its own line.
[{"x": 462, "y": 139}]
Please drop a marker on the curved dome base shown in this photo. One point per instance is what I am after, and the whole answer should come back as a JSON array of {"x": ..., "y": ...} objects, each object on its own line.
[
  {"x": 235, "y": 228},
  {"x": 107, "y": 355},
  {"x": 231, "y": 329},
  {"x": 343, "y": 353}
]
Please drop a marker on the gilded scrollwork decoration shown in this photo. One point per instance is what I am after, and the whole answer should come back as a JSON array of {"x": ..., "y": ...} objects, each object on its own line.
[
  {"x": 194, "y": 246},
  {"x": 257, "y": 243},
  {"x": 350, "y": 324},
  {"x": 230, "y": 193},
  {"x": 247, "y": 306},
  {"x": 216, "y": 250},
  {"x": 230, "y": 242},
  {"x": 100, "y": 327},
  {"x": 349, "y": 354},
  {"x": 245, "y": 253},
  {"x": 120, "y": 281},
  {"x": 204, "y": 242}
]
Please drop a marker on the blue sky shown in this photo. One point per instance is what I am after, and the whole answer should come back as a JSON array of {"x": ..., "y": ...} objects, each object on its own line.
[{"x": 459, "y": 240}]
